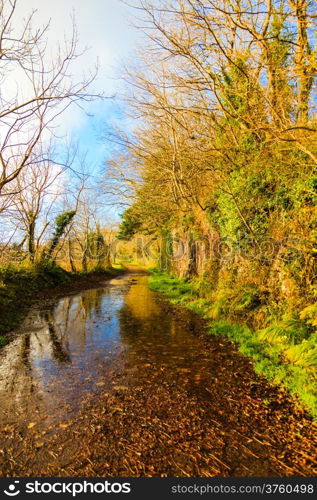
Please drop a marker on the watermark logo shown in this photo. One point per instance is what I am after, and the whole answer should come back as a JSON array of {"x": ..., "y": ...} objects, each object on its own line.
[{"x": 13, "y": 492}]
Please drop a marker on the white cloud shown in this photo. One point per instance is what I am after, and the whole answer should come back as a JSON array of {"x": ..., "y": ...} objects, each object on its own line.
[{"x": 103, "y": 28}]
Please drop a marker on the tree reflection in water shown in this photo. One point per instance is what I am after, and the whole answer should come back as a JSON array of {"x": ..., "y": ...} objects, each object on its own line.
[
  {"x": 53, "y": 362},
  {"x": 69, "y": 349}
]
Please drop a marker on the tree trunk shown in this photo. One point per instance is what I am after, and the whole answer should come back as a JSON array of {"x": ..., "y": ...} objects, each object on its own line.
[
  {"x": 70, "y": 256},
  {"x": 303, "y": 65},
  {"x": 84, "y": 259},
  {"x": 31, "y": 239}
]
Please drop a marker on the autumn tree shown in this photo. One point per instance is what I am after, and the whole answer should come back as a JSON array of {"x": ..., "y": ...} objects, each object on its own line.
[
  {"x": 225, "y": 135},
  {"x": 36, "y": 89}
]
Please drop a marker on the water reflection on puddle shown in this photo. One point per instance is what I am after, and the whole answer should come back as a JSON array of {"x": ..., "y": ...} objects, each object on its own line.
[
  {"x": 55, "y": 361},
  {"x": 71, "y": 349}
]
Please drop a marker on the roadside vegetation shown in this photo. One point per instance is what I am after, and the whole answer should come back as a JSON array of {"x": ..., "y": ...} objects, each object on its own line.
[{"x": 284, "y": 352}]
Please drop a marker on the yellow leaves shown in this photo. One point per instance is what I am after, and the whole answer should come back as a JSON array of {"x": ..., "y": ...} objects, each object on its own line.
[
  {"x": 120, "y": 388},
  {"x": 31, "y": 425},
  {"x": 309, "y": 314}
]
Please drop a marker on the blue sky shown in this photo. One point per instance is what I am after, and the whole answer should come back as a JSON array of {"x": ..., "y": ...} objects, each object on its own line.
[{"x": 104, "y": 28}]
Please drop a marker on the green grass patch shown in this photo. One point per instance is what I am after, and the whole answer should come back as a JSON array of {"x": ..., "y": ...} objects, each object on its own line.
[
  {"x": 3, "y": 341},
  {"x": 118, "y": 266},
  {"x": 285, "y": 352}
]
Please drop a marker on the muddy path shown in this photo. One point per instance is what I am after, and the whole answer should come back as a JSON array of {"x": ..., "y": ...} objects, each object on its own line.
[{"x": 114, "y": 381}]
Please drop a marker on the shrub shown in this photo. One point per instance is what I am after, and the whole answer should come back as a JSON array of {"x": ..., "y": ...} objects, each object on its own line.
[{"x": 289, "y": 330}]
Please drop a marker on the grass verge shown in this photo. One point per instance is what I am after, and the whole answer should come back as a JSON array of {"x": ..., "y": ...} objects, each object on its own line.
[{"x": 274, "y": 360}]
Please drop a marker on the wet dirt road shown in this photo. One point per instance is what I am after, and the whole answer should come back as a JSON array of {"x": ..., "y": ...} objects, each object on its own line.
[{"x": 114, "y": 381}]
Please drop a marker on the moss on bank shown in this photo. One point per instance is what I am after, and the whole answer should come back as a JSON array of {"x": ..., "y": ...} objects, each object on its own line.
[
  {"x": 283, "y": 362},
  {"x": 20, "y": 286}
]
